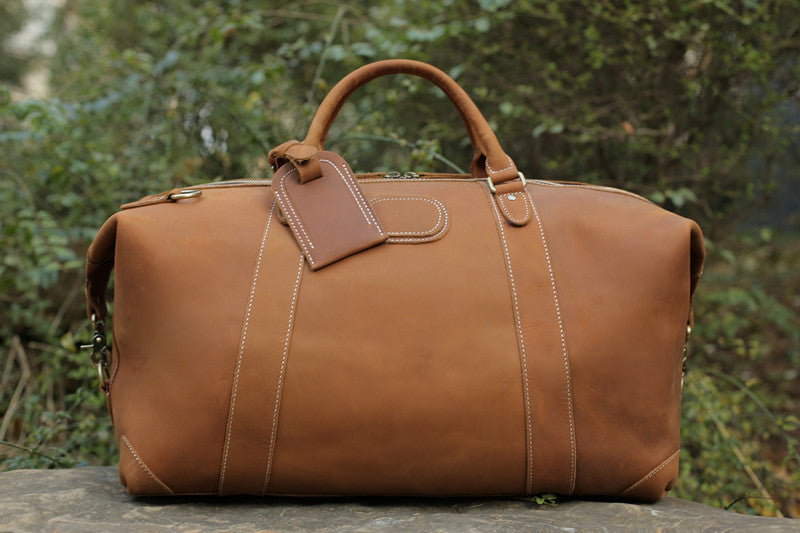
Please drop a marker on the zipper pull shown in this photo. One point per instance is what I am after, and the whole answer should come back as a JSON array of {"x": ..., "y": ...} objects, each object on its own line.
[
  {"x": 392, "y": 175},
  {"x": 410, "y": 175}
]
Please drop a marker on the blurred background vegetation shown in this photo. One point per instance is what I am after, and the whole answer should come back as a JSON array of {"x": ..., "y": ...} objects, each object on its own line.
[{"x": 693, "y": 104}]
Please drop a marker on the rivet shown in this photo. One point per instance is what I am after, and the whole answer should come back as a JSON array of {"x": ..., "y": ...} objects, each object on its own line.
[{"x": 512, "y": 197}]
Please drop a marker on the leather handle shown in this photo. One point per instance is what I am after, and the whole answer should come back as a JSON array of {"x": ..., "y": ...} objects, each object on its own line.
[{"x": 490, "y": 159}]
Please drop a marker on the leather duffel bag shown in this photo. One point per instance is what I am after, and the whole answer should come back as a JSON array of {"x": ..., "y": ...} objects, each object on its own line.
[{"x": 322, "y": 333}]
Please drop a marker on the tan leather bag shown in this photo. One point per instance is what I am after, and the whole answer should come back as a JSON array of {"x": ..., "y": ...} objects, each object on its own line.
[{"x": 325, "y": 334}]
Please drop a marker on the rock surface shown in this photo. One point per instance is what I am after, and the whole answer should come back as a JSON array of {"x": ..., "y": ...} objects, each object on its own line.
[{"x": 91, "y": 499}]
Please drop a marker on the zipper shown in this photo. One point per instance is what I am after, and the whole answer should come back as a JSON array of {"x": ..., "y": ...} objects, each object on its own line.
[
  {"x": 370, "y": 176},
  {"x": 394, "y": 175},
  {"x": 602, "y": 188},
  {"x": 232, "y": 183},
  {"x": 409, "y": 175}
]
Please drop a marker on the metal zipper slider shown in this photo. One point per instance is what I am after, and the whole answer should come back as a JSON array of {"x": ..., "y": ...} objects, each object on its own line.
[{"x": 392, "y": 175}]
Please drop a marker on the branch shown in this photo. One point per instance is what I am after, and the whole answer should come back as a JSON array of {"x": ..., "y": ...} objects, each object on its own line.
[
  {"x": 33, "y": 452},
  {"x": 321, "y": 65}
]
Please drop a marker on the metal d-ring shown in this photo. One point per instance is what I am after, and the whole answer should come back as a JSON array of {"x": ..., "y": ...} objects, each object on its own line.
[
  {"x": 494, "y": 189},
  {"x": 185, "y": 193}
]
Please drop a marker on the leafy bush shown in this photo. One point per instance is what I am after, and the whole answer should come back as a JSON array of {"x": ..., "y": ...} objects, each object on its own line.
[{"x": 692, "y": 104}]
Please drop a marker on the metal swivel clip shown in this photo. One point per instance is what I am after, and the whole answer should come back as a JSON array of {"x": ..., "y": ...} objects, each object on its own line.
[{"x": 101, "y": 355}]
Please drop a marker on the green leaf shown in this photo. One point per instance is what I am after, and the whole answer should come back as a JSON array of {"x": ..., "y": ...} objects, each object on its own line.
[{"x": 482, "y": 24}]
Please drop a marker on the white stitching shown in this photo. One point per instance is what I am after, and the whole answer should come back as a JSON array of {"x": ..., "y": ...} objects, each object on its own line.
[
  {"x": 563, "y": 347},
  {"x": 275, "y": 413},
  {"x": 135, "y": 455},
  {"x": 240, "y": 354},
  {"x": 436, "y": 203},
  {"x": 652, "y": 473},
  {"x": 489, "y": 167},
  {"x": 430, "y": 238},
  {"x": 294, "y": 219},
  {"x": 420, "y": 240},
  {"x": 523, "y": 353},
  {"x": 360, "y": 202},
  {"x": 284, "y": 192},
  {"x": 506, "y": 209}
]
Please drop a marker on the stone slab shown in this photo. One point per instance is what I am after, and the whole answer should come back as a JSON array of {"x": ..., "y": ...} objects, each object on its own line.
[{"x": 91, "y": 499}]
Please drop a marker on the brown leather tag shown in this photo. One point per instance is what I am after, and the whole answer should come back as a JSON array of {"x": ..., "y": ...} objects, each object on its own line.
[{"x": 329, "y": 216}]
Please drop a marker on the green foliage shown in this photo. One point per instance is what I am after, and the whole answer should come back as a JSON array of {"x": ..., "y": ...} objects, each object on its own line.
[
  {"x": 729, "y": 437},
  {"x": 12, "y": 62},
  {"x": 548, "y": 500},
  {"x": 741, "y": 433},
  {"x": 688, "y": 103}
]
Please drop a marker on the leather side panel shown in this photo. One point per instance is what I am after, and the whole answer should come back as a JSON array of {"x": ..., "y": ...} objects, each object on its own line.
[
  {"x": 403, "y": 375},
  {"x": 183, "y": 273},
  {"x": 623, "y": 271}
]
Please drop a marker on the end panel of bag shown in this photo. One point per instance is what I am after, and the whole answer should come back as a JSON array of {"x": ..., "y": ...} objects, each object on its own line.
[
  {"x": 99, "y": 263},
  {"x": 403, "y": 372},
  {"x": 182, "y": 280},
  {"x": 623, "y": 267},
  {"x": 698, "y": 255}
]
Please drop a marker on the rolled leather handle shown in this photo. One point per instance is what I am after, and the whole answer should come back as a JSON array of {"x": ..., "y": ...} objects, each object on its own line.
[{"x": 490, "y": 159}]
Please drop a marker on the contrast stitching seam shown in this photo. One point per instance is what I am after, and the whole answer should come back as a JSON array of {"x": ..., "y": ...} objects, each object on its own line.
[
  {"x": 504, "y": 205},
  {"x": 294, "y": 220},
  {"x": 149, "y": 472},
  {"x": 419, "y": 240},
  {"x": 275, "y": 412},
  {"x": 652, "y": 473},
  {"x": 563, "y": 347},
  {"x": 489, "y": 167},
  {"x": 360, "y": 201},
  {"x": 436, "y": 203},
  {"x": 523, "y": 353},
  {"x": 284, "y": 192},
  {"x": 430, "y": 238},
  {"x": 240, "y": 354}
]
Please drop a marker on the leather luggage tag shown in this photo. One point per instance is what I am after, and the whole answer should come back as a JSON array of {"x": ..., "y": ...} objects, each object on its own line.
[{"x": 329, "y": 216}]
